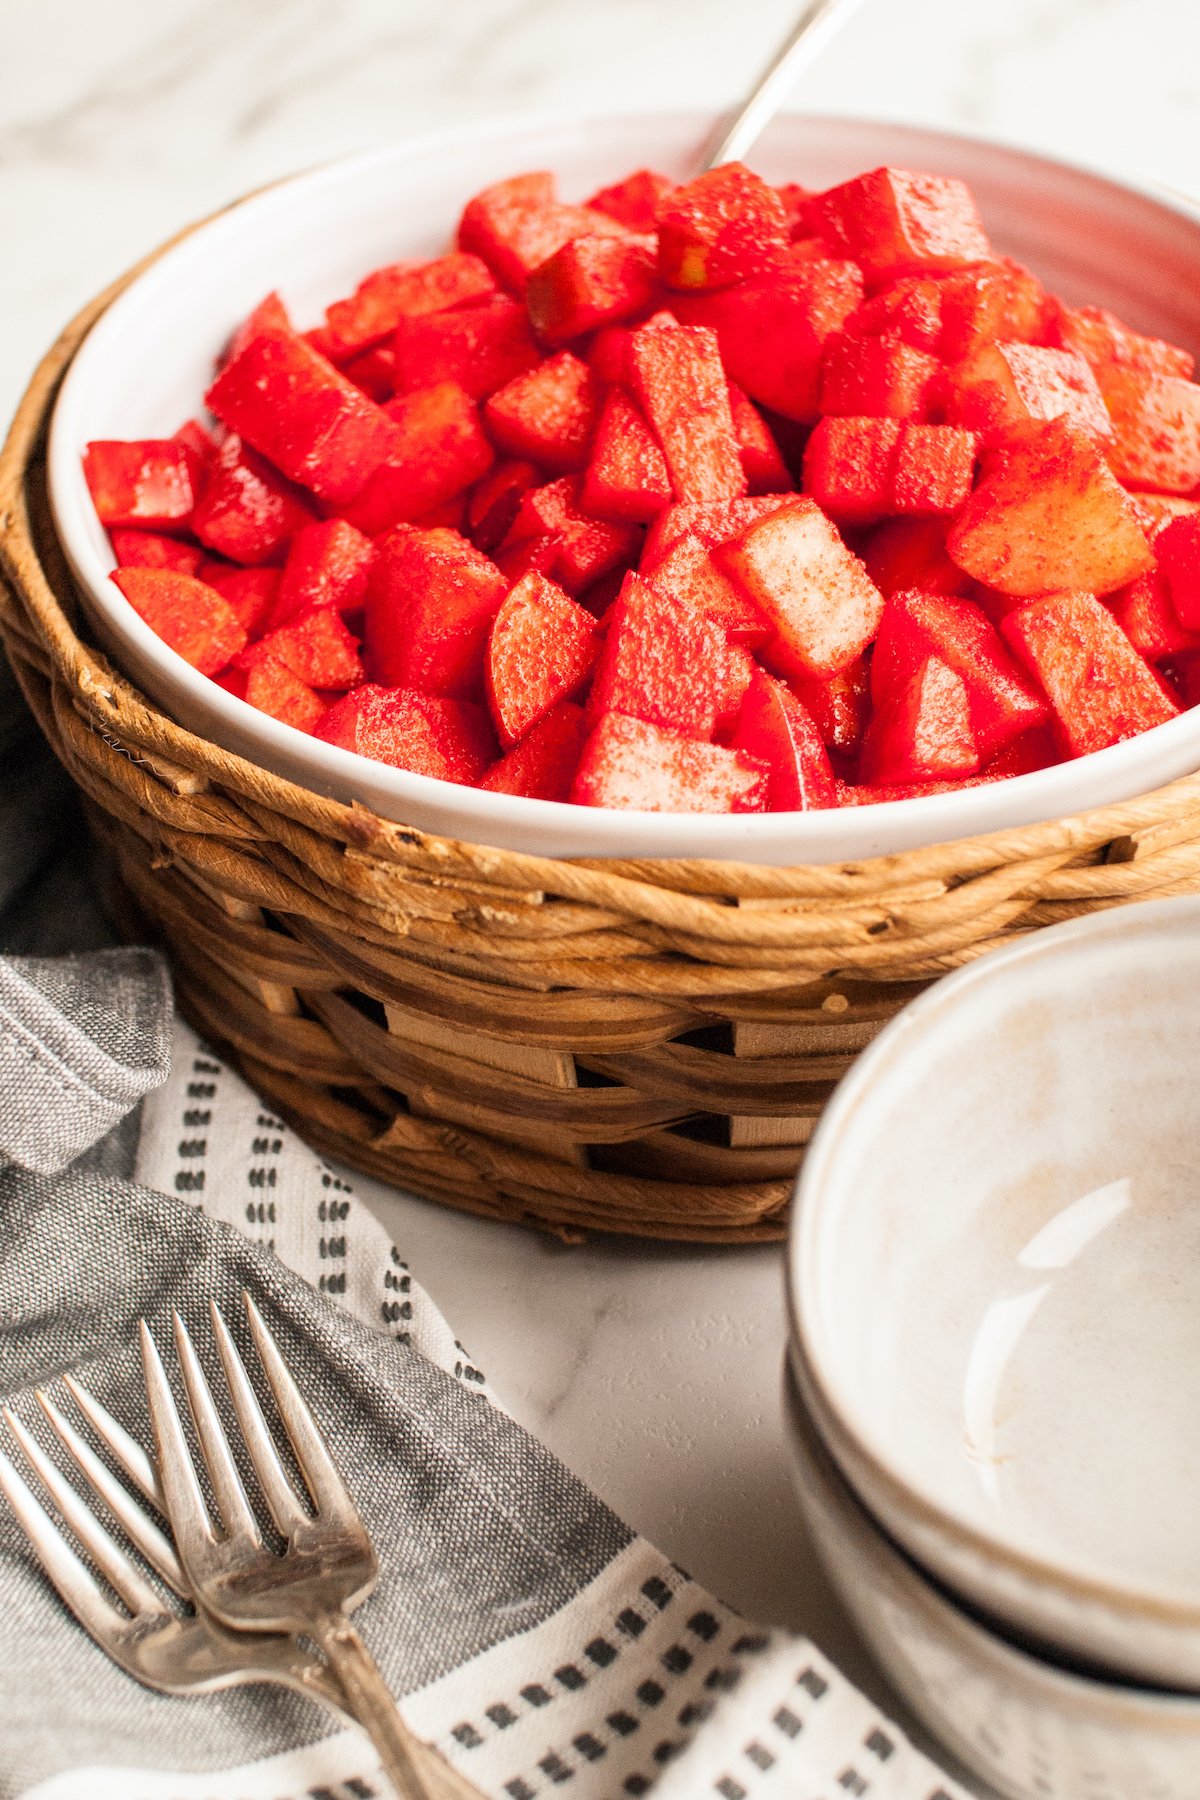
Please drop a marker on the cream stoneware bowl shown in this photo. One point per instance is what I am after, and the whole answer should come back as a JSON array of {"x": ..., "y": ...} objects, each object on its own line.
[
  {"x": 994, "y": 1275},
  {"x": 145, "y": 366},
  {"x": 1032, "y": 1731}
]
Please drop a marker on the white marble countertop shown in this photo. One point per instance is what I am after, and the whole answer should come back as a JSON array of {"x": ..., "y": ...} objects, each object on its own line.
[{"x": 653, "y": 1372}]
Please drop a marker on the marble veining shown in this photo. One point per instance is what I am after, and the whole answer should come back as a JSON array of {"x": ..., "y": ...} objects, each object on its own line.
[{"x": 654, "y": 1372}]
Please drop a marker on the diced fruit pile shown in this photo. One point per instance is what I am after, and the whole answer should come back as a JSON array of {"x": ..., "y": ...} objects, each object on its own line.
[{"x": 707, "y": 498}]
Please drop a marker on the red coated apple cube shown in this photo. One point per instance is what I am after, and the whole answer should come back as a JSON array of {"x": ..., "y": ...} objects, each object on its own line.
[
  {"x": 859, "y": 470},
  {"x": 1036, "y": 749},
  {"x": 438, "y": 450},
  {"x": 713, "y": 524},
  {"x": 840, "y": 707},
  {"x": 762, "y": 461},
  {"x": 687, "y": 572},
  {"x": 402, "y": 290},
  {"x": 327, "y": 565},
  {"x": 269, "y": 315},
  {"x": 1003, "y": 386},
  {"x": 154, "y": 550},
  {"x": 1101, "y": 690},
  {"x": 894, "y": 223},
  {"x": 275, "y": 689},
  {"x": 150, "y": 482},
  {"x": 679, "y": 380},
  {"x": 584, "y": 548},
  {"x": 663, "y": 662},
  {"x": 297, "y": 410},
  {"x": 480, "y": 346},
  {"x": 1002, "y": 703},
  {"x": 774, "y": 728},
  {"x": 542, "y": 766},
  {"x": 1177, "y": 546},
  {"x": 1156, "y": 421},
  {"x": 528, "y": 556},
  {"x": 921, "y": 730},
  {"x": 203, "y": 443},
  {"x": 821, "y": 603},
  {"x": 252, "y": 593},
  {"x": 631, "y": 765},
  {"x": 771, "y": 331},
  {"x": 732, "y": 685},
  {"x": 516, "y": 225},
  {"x": 495, "y": 500},
  {"x": 189, "y": 616},
  {"x": 725, "y": 226},
  {"x": 635, "y": 202},
  {"x": 317, "y": 647},
  {"x": 1155, "y": 511},
  {"x": 627, "y": 475},
  {"x": 548, "y": 415},
  {"x": 849, "y": 466},
  {"x": 1103, "y": 341},
  {"x": 1050, "y": 513},
  {"x": 994, "y": 302},
  {"x": 449, "y": 515},
  {"x": 431, "y": 599},
  {"x": 908, "y": 311},
  {"x": 933, "y": 468},
  {"x": 883, "y": 794},
  {"x": 247, "y": 512},
  {"x": 374, "y": 371},
  {"x": 590, "y": 282},
  {"x": 1145, "y": 614},
  {"x": 911, "y": 553},
  {"x": 540, "y": 650},
  {"x": 425, "y": 733},
  {"x": 882, "y": 377}
]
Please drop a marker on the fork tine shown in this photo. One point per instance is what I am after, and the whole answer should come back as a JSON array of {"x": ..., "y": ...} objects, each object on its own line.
[
  {"x": 190, "y": 1523},
  {"x": 143, "y": 1532},
  {"x": 278, "y": 1492},
  {"x": 72, "y": 1579},
  {"x": 127, "y": 1452},
  {"x": 232, "y": 1504},
  {"x": 316, "y": 1464},
  {"x": 114, "y": 1564}
]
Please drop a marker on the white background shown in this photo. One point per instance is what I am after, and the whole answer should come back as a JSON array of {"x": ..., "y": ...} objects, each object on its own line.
[{"x": 653, "y": 1372}]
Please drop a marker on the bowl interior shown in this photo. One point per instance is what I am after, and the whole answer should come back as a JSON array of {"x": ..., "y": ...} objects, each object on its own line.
[
  {"x": 996, "y": 1263},
  {"x": 144, "y": 367}
]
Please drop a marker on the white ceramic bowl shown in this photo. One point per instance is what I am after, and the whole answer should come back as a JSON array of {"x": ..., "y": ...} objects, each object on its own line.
[
  {"x": 1031, "y": 1730},
  {"x": 994, "y": 1274},
  {"x": 145, "y": 366}
]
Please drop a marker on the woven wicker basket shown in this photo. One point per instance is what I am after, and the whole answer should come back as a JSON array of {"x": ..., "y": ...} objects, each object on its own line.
[{"x": 634, "y": 1047}]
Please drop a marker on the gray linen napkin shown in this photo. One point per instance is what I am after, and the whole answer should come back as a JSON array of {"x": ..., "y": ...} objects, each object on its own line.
[
  {"x": 536, "y": 1640},
  {"x": 81, "y": 1041}
]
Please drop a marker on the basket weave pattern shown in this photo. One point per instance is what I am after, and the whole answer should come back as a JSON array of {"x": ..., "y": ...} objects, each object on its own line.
[{"x": 626, "y": 1046}]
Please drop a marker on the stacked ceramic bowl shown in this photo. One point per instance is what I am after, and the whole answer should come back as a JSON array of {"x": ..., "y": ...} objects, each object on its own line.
[{"x": 994, "y": 1374}]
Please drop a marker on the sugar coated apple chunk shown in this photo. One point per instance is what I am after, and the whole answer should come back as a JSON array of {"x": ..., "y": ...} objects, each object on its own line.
[
  {"x": 1050, "y": 514},
  {"x": 634, "y": 766},
  {"x": 815, "y": 593}
]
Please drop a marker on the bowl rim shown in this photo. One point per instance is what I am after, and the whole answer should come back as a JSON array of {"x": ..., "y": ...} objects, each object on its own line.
[
  {"x": 922, "y": 822},
  {"x": 1177, "y": 1707},
  {"x": 1079, "y": 1580}
]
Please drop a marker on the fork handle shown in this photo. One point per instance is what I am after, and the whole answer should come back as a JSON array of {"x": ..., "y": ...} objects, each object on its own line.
[{"x": 370, "y": 1700}]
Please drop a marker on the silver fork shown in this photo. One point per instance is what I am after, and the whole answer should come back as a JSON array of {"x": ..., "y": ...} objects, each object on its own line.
[
  {"x": 177, "y": 1653},
  {"x": 328, "y": 1565}
]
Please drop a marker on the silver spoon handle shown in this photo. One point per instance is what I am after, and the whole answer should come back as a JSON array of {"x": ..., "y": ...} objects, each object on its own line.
[{"x": 816, "y": 25}]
